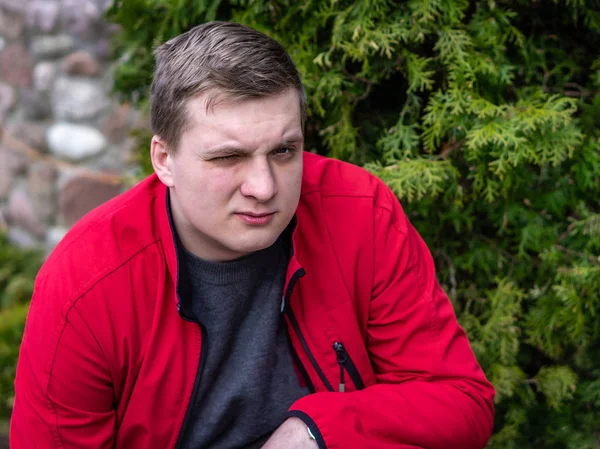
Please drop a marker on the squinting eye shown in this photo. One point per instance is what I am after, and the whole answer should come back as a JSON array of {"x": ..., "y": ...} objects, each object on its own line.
[
  {"x": 284, "y": 150},
  {"x": 225, "y": 158}
]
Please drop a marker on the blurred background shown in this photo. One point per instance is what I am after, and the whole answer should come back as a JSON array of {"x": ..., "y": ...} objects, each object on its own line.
[
  {"x": 64, "y": 145},
  {"x": 482, "y": 116}
]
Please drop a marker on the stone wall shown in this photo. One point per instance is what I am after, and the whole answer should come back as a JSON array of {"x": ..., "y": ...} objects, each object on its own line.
[{"x": 64, "y": 143}]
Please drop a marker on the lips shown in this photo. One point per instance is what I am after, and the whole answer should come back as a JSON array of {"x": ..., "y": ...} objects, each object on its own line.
[
  {"x": 252, "y": 214},
  {"x": 253, "y": 218}
]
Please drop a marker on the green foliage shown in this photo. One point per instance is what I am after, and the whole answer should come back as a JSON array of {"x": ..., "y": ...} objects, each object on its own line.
[
  {"x": 12, "y": 322},
  {"x": 17, "y": 272},
  {"x": 484, "y": 118}
]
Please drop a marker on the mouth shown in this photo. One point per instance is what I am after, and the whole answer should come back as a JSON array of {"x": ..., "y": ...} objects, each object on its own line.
[
  {"x": 253, "y": 218},
  {"x": 252, "y": 214}
]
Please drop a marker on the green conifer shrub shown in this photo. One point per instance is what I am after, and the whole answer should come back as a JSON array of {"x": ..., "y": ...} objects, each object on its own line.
[
  {"x": 483, "y": 117},
  {"x": 18, "y": 268},
  {"x": 12, "y": 322}
]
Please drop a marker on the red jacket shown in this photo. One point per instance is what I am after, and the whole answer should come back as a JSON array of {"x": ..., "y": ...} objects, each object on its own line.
[{"x": 108, "y": 362}]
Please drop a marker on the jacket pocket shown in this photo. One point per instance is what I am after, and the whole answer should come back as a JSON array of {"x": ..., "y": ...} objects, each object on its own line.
[{"x": 346, "y": 365}]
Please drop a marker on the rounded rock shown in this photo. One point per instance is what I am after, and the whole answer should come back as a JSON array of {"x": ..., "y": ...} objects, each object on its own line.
[
  {"x": 80, "y": 195},
  {"x": 7, "y": 99},
  {"x": 79, "y": 17},
  {"x": 30, "y": 133},
  {"x": 44, "y": 75},
  {"x": 41, "y": 180},
  {"x": 11, "y": 25},
  {"x": 35, "y": 104},
  {"x": 21, "y": 213},
  {"x": 81, "y": 63},
  {"x": 54, "y": 235},
  {"x": 16, "y": 65},
  {"x": 13, "y": 6},
  {"x": 6, "y": 174},
  {"x": 77, "y": 99},
  {"x": 43, "y": 15},
  {"x": 51, "y": 46},
  {"x": 75, "y": 142}
]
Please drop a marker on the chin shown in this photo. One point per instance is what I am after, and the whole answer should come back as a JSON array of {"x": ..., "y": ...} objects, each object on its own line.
[{"x": 254, "y": 245}]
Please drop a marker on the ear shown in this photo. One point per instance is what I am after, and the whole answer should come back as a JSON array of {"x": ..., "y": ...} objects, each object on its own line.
[{"x": 161, "y": 161}]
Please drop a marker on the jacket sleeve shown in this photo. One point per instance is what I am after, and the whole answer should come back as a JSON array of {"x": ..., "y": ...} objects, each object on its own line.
[
  {"x": 430, "y": 391},
  {"x": 63, "y": 393}
]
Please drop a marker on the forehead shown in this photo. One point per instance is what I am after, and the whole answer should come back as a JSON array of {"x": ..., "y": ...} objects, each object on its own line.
[{"x": 250, "y": 122}]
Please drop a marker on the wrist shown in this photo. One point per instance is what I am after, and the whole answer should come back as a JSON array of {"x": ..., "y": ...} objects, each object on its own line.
[
  {"x": 310, "y": 434},
  {"x": 311, "y": 430}
]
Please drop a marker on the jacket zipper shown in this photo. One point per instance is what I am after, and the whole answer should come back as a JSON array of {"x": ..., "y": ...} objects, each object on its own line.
[
  {"x": 299, "y": 365},
  {"x": 297, "y": 275},
  {"x": 346, "y": 364},
  {"x": 190, "y": 407}
]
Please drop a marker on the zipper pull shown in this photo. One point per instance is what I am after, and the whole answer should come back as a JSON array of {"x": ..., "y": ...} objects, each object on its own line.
[{"x": 341, "y": 359}]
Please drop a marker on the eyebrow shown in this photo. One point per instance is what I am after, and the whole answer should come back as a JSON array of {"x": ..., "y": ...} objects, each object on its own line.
[{"x": 237, "y": 151}]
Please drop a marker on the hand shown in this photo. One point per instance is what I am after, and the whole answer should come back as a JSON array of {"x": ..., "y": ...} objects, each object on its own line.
[{"x": 292, "y": 434}]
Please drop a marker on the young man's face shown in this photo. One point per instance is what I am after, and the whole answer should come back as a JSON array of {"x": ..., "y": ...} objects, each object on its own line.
[{"x": 235, "y": 177}]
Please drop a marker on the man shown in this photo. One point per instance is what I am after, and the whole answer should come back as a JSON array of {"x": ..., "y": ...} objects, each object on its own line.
[{"x": 246, "y": 295}]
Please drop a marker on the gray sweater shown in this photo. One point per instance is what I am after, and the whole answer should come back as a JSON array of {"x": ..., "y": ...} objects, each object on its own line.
[{"x": 248, "y": 381}]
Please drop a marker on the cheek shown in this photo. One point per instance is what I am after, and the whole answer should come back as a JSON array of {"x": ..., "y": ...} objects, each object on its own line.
[
  {"x": 292, "y": 180},
  {"x": 211, "y": 189},
  {"x": 221, "y": 182},
  {"x": 198, "y": 178}
]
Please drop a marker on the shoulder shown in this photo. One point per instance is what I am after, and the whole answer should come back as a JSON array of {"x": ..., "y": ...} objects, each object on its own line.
[
  {"x": 103, "y": 241},
  {"x": 330, "y": 177},
  {"x": 353, "y": 189}
]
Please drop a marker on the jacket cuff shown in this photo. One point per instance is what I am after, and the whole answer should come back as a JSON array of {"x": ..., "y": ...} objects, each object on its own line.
[{"x": 311, "y": 425}]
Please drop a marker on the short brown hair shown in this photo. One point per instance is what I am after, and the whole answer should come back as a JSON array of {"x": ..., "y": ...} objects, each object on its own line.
[{"x": 233, "y": 60}]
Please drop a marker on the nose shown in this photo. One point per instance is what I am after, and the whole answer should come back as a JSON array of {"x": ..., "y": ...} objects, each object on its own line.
[{"x": 259, "y": 181}]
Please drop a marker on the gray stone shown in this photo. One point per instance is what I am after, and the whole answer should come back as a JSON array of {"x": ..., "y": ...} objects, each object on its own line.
[
  {"x": 44, "y": 75},
  {"x": 43, "y": 15},
  {"x": 103, "y": 4},
  {"x": 12, "y": 161},
  {"x": 2, "y": 44},
  {"x": 7, "y": 99},
  {"x": 54, "y": 235},
  {"x": 3, "y": 225},
  {"x": 14, "y": 6},
  {"x": 16, "y": 65},
  {"x": 6, "y": 174},
  {"x": 117, "y": 159},
  {"x": 102, "y": 49},
  {"x": 82, "y": 194},
  {"x": 81, "y": 63},
  {"x": 75, "y": 142},
  {"x": 21, "y": 213},
  {"x": 11, "y": 25},
  {"x": 31, "y": 134},
  {"x": 116, "y": 125},
  {"x": 51, "y": 46},
  {"x": 77, "y": 99},
  {"x": 80, "y": 17},
  {"x": 21, "y": 238},
  {"x": 35, "y": 104},
  {"x": 41, "y": 180}
]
